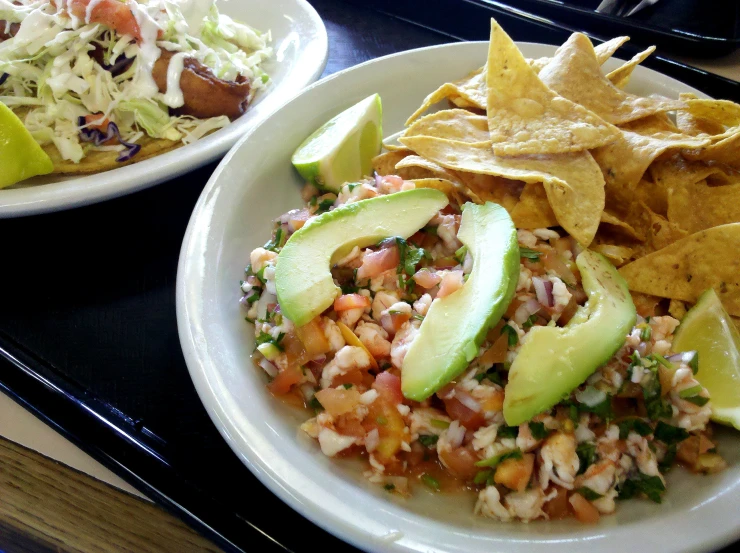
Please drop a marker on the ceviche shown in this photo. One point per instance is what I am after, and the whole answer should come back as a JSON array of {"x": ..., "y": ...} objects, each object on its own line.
[{"x": 508, "y": 304}]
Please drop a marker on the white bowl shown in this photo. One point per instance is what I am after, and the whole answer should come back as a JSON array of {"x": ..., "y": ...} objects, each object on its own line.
[
  {"x": 256, "y": 183},
  {"x": 300, "y": 48}
]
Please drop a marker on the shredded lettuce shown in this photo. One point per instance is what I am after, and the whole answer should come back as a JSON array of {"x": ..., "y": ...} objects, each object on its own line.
[{"x": 53, "y": 78}]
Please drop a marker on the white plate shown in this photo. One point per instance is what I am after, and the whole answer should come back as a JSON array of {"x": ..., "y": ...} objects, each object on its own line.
[
  {"x": 254, "y": 184},
  {"x": 299, "y": 43}
]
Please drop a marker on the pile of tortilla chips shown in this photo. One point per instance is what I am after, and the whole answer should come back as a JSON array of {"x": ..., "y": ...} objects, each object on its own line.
[{"x": 653, "y": 183}]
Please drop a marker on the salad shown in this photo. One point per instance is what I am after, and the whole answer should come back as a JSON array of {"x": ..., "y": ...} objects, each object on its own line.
[
  {"x": 517, "y": 301},
  {"x": 99, "y": 83}
]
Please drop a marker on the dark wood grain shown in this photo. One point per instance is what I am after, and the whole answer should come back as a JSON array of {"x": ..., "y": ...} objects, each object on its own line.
[{"x": 47, "y": 506}]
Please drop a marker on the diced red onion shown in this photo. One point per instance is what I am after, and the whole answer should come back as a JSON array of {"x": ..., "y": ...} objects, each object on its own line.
[
  {"x": 307, "y": 390},
  {"x": 543, "y": 289},
  {"x": 590, "y": 396},
  {"x": 244, "y": 300},
  {"x": 455, "y": 434},
  {"x": 378, "y": 180},
  {"x": 525, "y": 310},
  {"x": 269, "y": 368},
  {"x": 468, "y": 401},
  {"x": 97, "y": 137},
  {"x": 372, "y": 439},
  {"x": 265, "y": 299}
]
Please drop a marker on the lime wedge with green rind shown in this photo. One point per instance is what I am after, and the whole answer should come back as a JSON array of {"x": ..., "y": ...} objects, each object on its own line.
[
  {"x": 342, "y": 149},
  {"x": 709, "y": 330},
  {"x": 20, "y": 156}
]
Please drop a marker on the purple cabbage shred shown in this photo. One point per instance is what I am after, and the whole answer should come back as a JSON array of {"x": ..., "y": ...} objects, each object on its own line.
[{"x": 99, "y": 137}]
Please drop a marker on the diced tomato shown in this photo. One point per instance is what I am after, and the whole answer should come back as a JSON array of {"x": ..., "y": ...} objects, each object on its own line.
[
  {"x": 348, "y": 425},
  {"x": 338, "y": 401},
  {"x": 375, "y": 263},
  {"x": 285, "y": 379},
  {"x": 388, "y": 386},
  {"x": 460, "y": 462},
  {"x": 97, "y": 121},
  {"x": 497, "y": 352},
  {"x": 351, "y": 301},
  {"x": 495, "y": 402},
  {"x": 418, "y": 238},
  {"x": 446, "y": 263},
  {"x": 426, "y": 279},
  {"x": 352, "y": 377},
  {"x": 558, "y": 507},
  {"x": 398, "y": 319},
  {"x": 472, "y": 420},
  {"x": 313, "y": 338},
  {"x": 585, "y": 512},
  {"x": 383, "y": 415},
  {"x": 553, "y": 261},
  {"x": 515, "y": 473}
]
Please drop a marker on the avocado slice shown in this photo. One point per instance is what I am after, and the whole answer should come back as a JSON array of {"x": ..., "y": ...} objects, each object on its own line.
[
  {"x": 553, "y": 361},
  {"x": 456, "y": 325},
  {"x": 305, "y": 287}
]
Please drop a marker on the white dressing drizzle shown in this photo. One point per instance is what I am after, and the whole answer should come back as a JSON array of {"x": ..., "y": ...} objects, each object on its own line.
[
  {"x": 149, "y": 52},
  {"x": 173, "y": 96},
  {"x": 194, "y": 12}
]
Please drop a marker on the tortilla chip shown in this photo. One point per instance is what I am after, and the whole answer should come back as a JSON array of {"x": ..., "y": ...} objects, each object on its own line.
[
  {"x": 451, "y": 124},
  {"x": 454, "y": 191},
  {"x": 606, "y": 50},
  {"x": 525, "y": 117},
  {"x": 683, "y": 270},
  {"x": 490, "y": 188},
  {"x": 573, "y": 181},
  {"x": 385, "y": 163},
  {"x": 698, "y": 206},
  {"x": 726, "y": 151},
  {"x": 618, "y": 255},
  {"x": 621, "y": 226},
  {"x": 625, "y": 160},
  {"x": 471, "y": 89},
  {"x": 621, "y": 76},
  {"x": 533, "y": 209},
  {"x": 659, "y": 232},
  {"x": 677, "y": 309},
  {"x": 692, "y": 124},
  {"x": 97, "y": 161},
  {"x": 419, "y": 168},
  {"x": 575, "y": 73}
]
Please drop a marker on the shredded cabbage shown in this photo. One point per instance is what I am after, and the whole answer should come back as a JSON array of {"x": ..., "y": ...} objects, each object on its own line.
[{"x": 53, "y": 80}]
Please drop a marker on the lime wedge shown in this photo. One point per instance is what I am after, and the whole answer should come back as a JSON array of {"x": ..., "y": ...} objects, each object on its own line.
[
  {"x": 342, "y": 149},
  {"x": 709, "y": 330},
  {"x": 20, "y": 156}
]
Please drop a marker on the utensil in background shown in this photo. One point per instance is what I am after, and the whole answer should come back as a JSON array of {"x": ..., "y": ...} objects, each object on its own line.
[{"x": 623, "y": 8}]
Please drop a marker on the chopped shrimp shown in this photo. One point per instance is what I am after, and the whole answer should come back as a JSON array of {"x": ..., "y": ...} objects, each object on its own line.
[
  {"x": 662, "y": 327},
  {"x": 389, "y": 184},
  {"x": 447, "y": 230},
  {"x": 638, "y": 447},
  {"x": 333, "y": 334},
  {"x": 422, "y": 305},
  {"x": 350, "y": 193},
  {"x": 261, "y": 257},
  {"x": 351, "y": 316},
  {"x": 332, "y": 442},
  {"x": 374, "y": 338},
  {"x": 489, "y": 505},
  {"x": 346, "y": 359},
  {"x": 382, "y": 301},
  {"x": 525, "y": 441},
  {"x": 402, "y": 342},
  {"x": 426, "y": 278},
  {"x": 451, "y": 282},
  {"x": 527, "y": 505},
  {"x": 422, "y": 421},
  {"x": 559, "y": 461},
  {"x": 375, "y": 263},
  {"x": 601, "y": 478}
]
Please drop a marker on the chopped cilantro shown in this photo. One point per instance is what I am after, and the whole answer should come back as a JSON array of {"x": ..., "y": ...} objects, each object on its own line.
[
  {"x": 491, "y": 374},
  {"x": 312, "y": 201},
  {"x": 529, "y": 323},
  {"x": 461, "y": 253},
  {"x": 692, "y": 361},
  {"x": 588, "y": 493},
  {"x": 417, "y": 317},
  {"x": 265, "y": 338},
  {"x": 389, "y": 487},
  {"x": 668, "y": 458},
  {"x": 325, "y": 205},
  {"x": 586, "y": 455},
  {"x": 497, "y": 459},
  {"x": 278, "y": 241},
  {"x": 660, "y": 359},
  {"x": 538, "y": 430},
  {"x": 638, "y": 426},
  {"x": 430, "y": 481},
  {"x": 508, "y": 431},
  {"x": 651, "y": 486},
  {"x": 428, "y": 440},
  {"x": 430, "y": 230},
  {"x": 690, "y": 392},
  {"x": 347, "y": 386},
  {"x": 528, "y": 253},
  {"x": 701, "y": 401},
  {"x": 315, "y": 404},
  {"x": 513, "y": 337},
  {"x": 351, "y": 186},
  {"x": 669, "y": 434},
  {"x": 483, "y": 476},
  {"x": 573, "y": 412},
  {"x": 646, "y": 333},
  {"x": 349, "y": 288},
  {"x": 437, "y": 423},
  {"x": 602, "y": 410}
]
